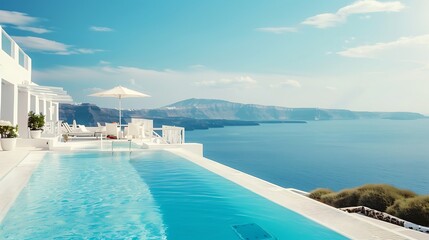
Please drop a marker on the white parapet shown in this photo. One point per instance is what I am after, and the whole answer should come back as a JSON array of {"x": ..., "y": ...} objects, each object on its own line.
[
  {"x": 15, "y": 69},
  {"x": 195, "y": 148}
]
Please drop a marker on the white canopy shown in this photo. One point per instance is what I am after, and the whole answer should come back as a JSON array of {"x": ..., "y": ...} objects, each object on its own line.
[
  {"x": 55, "y": 94},
  {"x": 119, "y": 92}
]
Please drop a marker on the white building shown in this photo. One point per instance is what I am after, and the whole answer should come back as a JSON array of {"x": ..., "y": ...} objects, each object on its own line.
[{"x": 18, "y": 94}]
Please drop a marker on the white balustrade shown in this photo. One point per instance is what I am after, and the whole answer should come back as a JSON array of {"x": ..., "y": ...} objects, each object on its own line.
[
  {"x": 173, "y": 135},
  {"x": 52, "y": 128}
]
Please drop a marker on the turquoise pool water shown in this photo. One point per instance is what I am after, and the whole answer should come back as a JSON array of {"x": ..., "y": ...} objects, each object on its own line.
[
  {"x": 108, "y": 145},
  {"x": 145, "y": 195}
]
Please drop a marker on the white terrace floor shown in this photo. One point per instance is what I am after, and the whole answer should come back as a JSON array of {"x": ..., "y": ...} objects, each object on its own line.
[{"x": 16, "y": 168}]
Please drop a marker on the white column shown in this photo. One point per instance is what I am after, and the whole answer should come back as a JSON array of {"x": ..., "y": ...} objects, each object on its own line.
[
  {"x": 34, "y": 103},
  {"x": 1, "y": 37},
  {"x": 15, "y": 104},
  {"x": 42, "y": 106},
  {"x": 9, "y": 102},
  {"x": 48, "y": 111},
  {"x": 1, "y": 85},
  {"x": 55, "y": 114},
  {"x": 24, "y": 107}
]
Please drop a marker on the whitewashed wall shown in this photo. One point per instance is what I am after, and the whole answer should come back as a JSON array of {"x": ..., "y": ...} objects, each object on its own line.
[{"x": 11, "y": 75}]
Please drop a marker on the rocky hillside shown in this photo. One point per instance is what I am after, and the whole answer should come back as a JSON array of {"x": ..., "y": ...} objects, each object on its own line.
[
  {"x": 219, "y": 109},
  {"x": 205, "y": 113}
]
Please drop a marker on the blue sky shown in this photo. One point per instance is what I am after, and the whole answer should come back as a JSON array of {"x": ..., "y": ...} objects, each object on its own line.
[{"x": 359, "y": 55}]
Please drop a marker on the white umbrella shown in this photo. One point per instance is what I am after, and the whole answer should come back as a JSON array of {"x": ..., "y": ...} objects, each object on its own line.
[{"x": 120, "y": 92}]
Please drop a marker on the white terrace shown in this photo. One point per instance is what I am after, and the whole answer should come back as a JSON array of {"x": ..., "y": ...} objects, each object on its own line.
[{"x": 19, "y": 95}]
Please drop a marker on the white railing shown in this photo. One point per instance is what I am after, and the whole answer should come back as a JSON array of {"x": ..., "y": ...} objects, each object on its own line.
[
  {"x": 173, "y": 135},
  {"x": 147, "y": 126},
  {"x": 52, "y": 128},
  {"x": 157, "y": 138}
]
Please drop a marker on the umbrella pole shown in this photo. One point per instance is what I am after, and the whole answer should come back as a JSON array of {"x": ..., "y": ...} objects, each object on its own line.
[{"x": 120, "y": 111}]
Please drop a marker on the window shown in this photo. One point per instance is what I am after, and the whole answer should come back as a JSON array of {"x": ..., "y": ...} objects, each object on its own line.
[
  {"x": 6, "y": 44},
  {"x": 23, "y": 59}
]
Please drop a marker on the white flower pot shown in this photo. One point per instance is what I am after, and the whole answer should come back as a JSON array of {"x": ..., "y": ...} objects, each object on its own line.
[
  {"x": 8, "y": 144},
  {"x": 35, "y": 134}
]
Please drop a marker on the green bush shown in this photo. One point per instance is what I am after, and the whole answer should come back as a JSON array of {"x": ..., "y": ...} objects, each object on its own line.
[
  {"x": 378, "y": 200},
  {"x": 318, "y": 193},
  {"x": 401, "y": 203},
  {"x": 415, "y": 209},
  {"x": 7, "y": 130},
  {"x": 407, "y": 193},
  {"x": 346, "y": 198},
  {"x": 36, "y": 121},
  {"x": 388, "y": 189},
  {"x": 328, "y": 198}
]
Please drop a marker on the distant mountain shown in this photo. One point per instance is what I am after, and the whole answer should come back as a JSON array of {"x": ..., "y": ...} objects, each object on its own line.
[
  {"x": 220, "y": 109},
  {"x": 206, "y": 113},
  {"x": 89, "y": 114}
]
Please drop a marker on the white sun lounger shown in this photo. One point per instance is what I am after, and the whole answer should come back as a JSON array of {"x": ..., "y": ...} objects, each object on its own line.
[{"x": 83, "y": 132}]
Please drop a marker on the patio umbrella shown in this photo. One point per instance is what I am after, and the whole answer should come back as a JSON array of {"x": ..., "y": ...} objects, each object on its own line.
[{"x": 119, "y": 92}]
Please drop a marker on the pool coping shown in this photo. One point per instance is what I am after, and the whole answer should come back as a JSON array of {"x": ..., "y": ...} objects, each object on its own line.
[
  {"x": 352, "y": 226},
  {"x": 16, "y": 178}
]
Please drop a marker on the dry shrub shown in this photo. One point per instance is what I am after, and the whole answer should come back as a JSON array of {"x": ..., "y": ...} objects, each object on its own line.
[
  {"x": 401, "y": 203},
  {"x": 388, "y": 189},
  {"x": 328, "y": 198},
  {"x": 415, "y": 209},
  {"x": 378, "y": 200},
  {"x": 318, "y": 193},
  {"x": 375, "y": 196},
  {"x": 346, "y": 198}
]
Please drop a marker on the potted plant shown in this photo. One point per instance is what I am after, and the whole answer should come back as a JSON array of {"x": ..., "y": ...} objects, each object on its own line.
[
  {"x": 36, "y": 123},
  {"x": 8, "y": 134}
]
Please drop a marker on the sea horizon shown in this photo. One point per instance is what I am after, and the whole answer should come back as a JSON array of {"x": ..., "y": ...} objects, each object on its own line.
[{"x": 334, "y": 154}]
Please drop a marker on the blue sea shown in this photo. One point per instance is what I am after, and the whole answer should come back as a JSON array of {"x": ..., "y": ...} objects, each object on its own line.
[{"x": 328, "y": 154}]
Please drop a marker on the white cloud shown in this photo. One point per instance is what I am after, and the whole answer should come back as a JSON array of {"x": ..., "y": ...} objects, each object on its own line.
[
  {"x": 276, "y": 30},
  {"x": 326, "y": 20},
  {"x": 366, "y": 17},
  {"x": 359, "y": 91},
  {"x": 41, "y": 44},
  {"x": 369, "y": 51},
  {"x": 287, "y": 83},
  {"x": 197, "y": 67},
  {"x": 102, "y": 62},
  {"x": 371, "y": 6},
  {"x": 34, "y": 29},
  {"x": 100, "y": 29},
  {"x": 244, "y": 81},
  {"x": 16, "y": 18},
  {"x": 49, "y": 46},
  {"x": 86, "y": 51},
  {"x": 93, "y": 90},
  {"x": 21, "y": 21}
]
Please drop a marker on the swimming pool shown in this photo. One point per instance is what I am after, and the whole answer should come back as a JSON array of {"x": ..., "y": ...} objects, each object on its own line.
[
  {"x": 108, "y": 145},
  {"x": 143, "y": 195}
]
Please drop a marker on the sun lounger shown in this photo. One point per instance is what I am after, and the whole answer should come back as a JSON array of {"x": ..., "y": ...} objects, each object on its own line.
[{"x": 82, "y": 132}]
